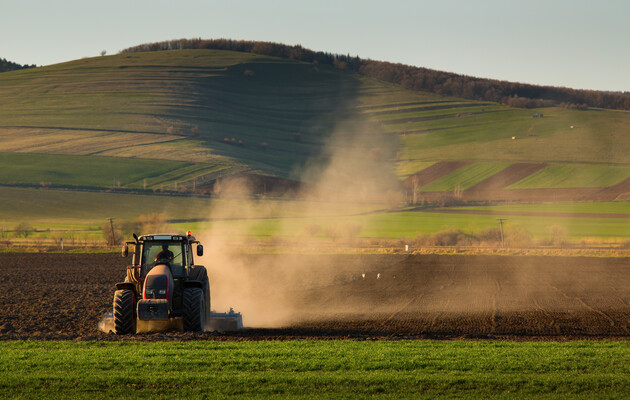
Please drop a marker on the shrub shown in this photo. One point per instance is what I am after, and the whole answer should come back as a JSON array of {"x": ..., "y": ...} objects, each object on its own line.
[
  {"x": 347, "y": 230},
  {"x": 153, "y": 222},
  {"x": 332, "y": 232},
  {"x": 558, "y": 235},
  {"x": 449, "y": 237},
  {"x": 312, "y": 229},
  {"x": 490, "y": 234},
  {"x": 517, "y": 236},
  {"x": 23, "y": 229},
  {"x": 350, "y": 229},
  {"x": 112, "y": 237}
]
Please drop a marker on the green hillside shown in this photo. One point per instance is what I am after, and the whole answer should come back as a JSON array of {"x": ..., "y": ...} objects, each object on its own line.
[
  {"x": 212, "y": 107},
  {"x": 233, "y": 111}
]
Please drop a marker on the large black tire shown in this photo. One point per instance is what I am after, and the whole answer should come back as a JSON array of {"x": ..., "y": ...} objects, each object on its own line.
[
  {"x": 206, "y": 292},
  {"x": 124, "y": 318},
  {"x": 194, "y": 309}
]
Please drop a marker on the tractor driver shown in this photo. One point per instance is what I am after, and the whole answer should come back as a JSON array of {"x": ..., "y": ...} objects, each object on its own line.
[{"x": 165, "y": 254}]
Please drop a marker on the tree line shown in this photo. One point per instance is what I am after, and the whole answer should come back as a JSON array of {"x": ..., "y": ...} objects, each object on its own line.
[
  {"x": 416, "y": 78},
  {"x": 11, "y": 66}
]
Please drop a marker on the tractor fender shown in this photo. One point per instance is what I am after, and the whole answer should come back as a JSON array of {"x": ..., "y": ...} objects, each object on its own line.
[
  {"x": 126, "y": 286},
  {"x": 197, "y": 273},
  {"x": 197, "y": 284}
]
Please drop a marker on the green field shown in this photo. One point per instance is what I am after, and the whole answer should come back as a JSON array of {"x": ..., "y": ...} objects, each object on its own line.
[
  {"x": 85, "y": 171},
  {"x": 574, "y": 175},
  {"x": 321, "y": 369},
  {"x": 77, "y": 212},
  {"x": 87, "y": 211},
  {"x": 410, "y": 224},
  {"x": 617, "y": 207},
  {"x": 466, "y": 177}
]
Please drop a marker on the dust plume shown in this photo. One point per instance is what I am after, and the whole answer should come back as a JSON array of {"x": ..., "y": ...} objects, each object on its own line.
[{"x": 355, "y": 167}]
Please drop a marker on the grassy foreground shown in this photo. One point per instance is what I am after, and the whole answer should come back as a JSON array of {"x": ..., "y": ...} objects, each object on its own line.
[{"x": 339, "y": 369}]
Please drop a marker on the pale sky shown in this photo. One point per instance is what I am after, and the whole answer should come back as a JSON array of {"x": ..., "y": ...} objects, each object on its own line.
[{"x": 574, "y": 43}]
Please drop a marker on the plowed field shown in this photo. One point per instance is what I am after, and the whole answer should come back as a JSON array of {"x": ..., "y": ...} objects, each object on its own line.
[{"x": 63, "y": 296}]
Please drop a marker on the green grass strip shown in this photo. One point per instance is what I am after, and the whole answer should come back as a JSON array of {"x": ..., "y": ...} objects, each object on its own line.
[
  {"x": 56, "y": 169},
  {"x": 321, "y": 369},
  {"x": 617, "y": 207},
  {"x": 574, "y": 175}
]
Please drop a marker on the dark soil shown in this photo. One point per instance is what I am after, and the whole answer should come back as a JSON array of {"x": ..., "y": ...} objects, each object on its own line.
[{"x": 63, "y": 296}]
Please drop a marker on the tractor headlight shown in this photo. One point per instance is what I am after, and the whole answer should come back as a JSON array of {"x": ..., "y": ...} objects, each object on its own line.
[
  {"x": 149, "y": 292},
  {"x": 162, "y": 292}
]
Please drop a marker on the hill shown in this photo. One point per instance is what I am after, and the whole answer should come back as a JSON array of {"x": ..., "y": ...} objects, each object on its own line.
[
  {"x": 180, "y": 120},
  {"x": 416, "y": 78},
  {"x": 224, "y": 110}
]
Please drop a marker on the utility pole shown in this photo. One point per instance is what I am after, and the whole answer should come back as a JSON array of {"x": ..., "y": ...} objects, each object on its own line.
[
  {"x": 111, "y": 226},
  {"x": 502, "y": 237}
]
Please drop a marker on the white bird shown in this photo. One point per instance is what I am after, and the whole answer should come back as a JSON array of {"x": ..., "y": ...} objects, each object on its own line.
[{"x": 378, "y": 276}]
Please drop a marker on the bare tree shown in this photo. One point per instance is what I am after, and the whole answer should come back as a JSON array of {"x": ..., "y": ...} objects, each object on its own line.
[
  {"x": 112, "y": 235},
  {"x": 23, "y": 229}
]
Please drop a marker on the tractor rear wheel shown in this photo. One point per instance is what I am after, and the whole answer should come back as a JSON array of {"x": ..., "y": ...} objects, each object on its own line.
[
  {"x": 194, "y": 309},
  {"x": 124, "y": 318}
]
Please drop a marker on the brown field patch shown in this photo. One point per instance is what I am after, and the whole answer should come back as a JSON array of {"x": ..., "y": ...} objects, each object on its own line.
[
  {"x": 508, "y": 176},
  {"x": 434, "y": 172}
]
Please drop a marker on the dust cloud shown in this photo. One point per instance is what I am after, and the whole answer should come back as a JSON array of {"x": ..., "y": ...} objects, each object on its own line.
[{"x": 354, "y": 168}]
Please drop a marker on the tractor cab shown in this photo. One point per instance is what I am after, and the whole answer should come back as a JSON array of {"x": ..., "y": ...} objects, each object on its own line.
[
  {"x": 175, "y": 251},
  {"x": 158, "y": 251}
]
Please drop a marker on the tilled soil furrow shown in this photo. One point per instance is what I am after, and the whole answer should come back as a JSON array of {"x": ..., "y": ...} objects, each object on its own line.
[{"x": 63, "y": 297}]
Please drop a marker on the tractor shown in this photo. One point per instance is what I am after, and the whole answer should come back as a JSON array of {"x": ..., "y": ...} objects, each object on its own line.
[{"x": 163, "y": 285}]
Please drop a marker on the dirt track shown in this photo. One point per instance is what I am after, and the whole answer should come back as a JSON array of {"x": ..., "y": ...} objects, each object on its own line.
[{"x": 63, "y": 296}]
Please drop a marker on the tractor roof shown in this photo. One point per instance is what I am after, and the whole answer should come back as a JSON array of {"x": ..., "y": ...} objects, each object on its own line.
[{"x": 166, "y": 237}]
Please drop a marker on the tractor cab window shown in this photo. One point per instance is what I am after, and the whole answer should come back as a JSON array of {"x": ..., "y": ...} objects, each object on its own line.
[{"x": 171, "y": 253}]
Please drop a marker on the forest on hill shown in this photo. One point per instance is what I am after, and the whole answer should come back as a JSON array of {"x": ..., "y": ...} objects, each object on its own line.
[
  {"x": 513, "y": 94},
  {"x": 11, "y": 66}
]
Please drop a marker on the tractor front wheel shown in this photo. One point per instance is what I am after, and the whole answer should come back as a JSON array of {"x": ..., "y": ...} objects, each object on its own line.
[
  {"x": 124, "y": 318},
  {"x": 194, "y": 309}
]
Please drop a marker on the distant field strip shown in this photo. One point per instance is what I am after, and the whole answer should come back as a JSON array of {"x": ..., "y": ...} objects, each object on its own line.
[
  {"x": 532, "y": 213},
  {"x": 573, "y": 176},
  {"x": 466, "y": 177},
  {"x": 46, "y": 208},
  {"x": 105, "y": 172},
  {"x": 406, "y": 168},
  {"x": 617, "y": 207},
  {"x": 86, "y": 208},
  {"x": 429, "y": 106},
  {"x": 185, "y": 173}
]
